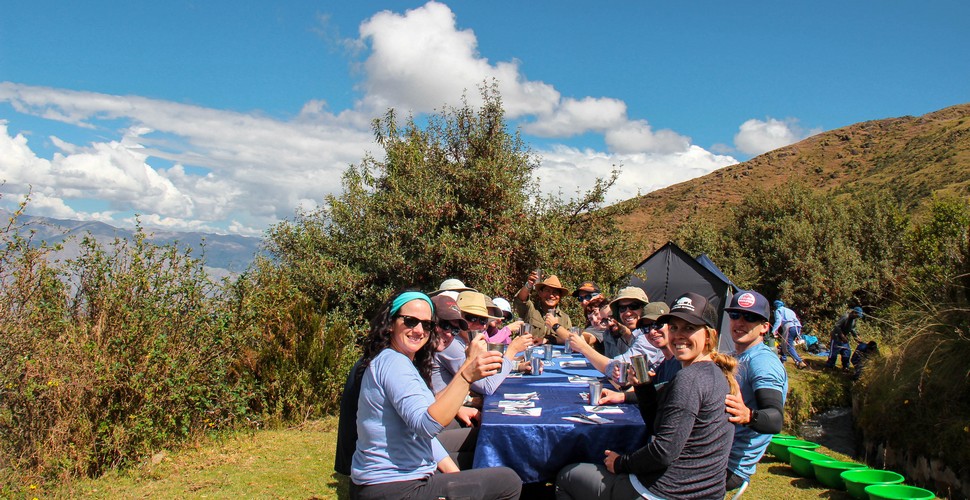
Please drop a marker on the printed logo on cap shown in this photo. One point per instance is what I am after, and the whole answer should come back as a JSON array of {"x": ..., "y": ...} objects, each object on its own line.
[
  {"x": 746, "y": 300},
  {"x": 683, "y": 303}
]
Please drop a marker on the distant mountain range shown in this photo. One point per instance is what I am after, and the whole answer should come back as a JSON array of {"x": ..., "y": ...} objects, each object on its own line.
[
  {"x": 225, "y": 255},
  {"x": 910, "y": 158}
]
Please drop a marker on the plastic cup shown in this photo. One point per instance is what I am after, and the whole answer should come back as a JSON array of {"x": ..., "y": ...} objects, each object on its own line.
[{"x": 595, "y": 388}]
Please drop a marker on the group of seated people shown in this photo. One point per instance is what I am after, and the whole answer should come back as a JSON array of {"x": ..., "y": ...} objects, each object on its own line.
[{"x": 411, "y": 405}]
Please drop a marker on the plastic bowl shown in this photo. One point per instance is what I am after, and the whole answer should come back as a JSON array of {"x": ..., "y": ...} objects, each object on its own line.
[
  {"x": 828, "y": 472},
  {"x": 856, "y": 480},
  {"x": 779, "y": 448},
  {"x": 898, "y": 492},
  {"x": 801, "y": 461}
]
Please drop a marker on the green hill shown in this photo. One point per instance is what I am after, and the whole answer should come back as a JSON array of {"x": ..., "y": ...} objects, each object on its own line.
[{"x": 913, "y": 157}]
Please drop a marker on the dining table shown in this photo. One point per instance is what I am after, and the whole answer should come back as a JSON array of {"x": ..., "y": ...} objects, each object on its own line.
[{"x": 565, "y": 429}]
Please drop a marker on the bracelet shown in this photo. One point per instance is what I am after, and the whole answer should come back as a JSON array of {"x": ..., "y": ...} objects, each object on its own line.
[{"x": 465, "y": 378}]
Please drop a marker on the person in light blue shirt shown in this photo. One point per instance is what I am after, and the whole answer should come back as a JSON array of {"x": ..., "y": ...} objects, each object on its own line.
[
  {"x": 758, "y": 412},
  {"x": 789, "y": 327},
  {"x": 398, "y": 417}
]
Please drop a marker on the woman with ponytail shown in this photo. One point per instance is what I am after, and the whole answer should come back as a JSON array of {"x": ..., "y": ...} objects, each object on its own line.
[
  {"x": 688, "y": 451},
  {"x": 398, "y": 416}
]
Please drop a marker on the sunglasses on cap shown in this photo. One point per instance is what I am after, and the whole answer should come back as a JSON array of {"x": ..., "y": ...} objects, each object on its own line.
[
  {"x": 478, "y": 320},
  {"x": 411, "y": 322},
  {"x": 748, "y": 316},
  {"x": 622, "y": 308}
]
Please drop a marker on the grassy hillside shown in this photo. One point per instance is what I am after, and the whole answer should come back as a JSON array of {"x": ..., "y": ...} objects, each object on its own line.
[{"x": 914, "y": 157}]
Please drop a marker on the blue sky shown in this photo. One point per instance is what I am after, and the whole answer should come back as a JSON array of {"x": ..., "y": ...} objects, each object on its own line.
[{"x": 230, "y": 116}]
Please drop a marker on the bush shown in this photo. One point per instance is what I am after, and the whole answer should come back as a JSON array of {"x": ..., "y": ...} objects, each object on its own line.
[{"x": 108, "y": 357}]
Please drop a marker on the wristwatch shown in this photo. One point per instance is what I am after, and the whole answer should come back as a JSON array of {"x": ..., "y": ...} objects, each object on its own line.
[{"x": 555, "y": 327}]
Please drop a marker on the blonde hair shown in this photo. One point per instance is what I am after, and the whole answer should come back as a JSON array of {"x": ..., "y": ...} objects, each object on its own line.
[{"x": 726, "y": 363}]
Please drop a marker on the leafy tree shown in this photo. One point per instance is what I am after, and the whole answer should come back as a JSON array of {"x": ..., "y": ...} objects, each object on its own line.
[{"x": 454, "y": 198}]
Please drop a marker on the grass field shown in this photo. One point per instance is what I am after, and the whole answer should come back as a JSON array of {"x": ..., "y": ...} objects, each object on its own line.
[{"x": 298, "y": 463}]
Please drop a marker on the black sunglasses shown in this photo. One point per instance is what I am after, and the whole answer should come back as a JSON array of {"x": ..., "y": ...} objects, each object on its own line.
[
  {"x": 411, "y": 322},
  {"x": 587, "y": 296},
  {"x": 654, "y": 326},
  {"x": 449, "y": 327},
  {"x": 622, "y": 308},
  {"x": 748, "y": 316},
  {"x": 479, "y": 320}
]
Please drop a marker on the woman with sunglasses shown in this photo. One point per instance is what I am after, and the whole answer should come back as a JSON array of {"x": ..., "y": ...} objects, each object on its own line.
[
  {"x": 398, "y": 416},
  {"x": 687, "y": 455},
  {"x": 758, "y": 411}
]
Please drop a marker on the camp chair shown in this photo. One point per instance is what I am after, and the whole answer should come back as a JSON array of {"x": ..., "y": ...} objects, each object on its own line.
[{"x": 740, "y": 491}]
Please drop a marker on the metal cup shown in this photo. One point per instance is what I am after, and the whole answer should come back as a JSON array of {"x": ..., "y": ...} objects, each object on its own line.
[
  {"x": 621, "y": 377},
  {"x": 526, "y": 329},
  {"x": 497, "y": 347},
  {"x": 595, "y": 388},
  {"x": 536, "y": 365},
  {"x": 547, "y": 354},
  {"x": 568, "y": 349},
  {"x": 641, "y": 368},
  {"x": 527, "y": 354}
]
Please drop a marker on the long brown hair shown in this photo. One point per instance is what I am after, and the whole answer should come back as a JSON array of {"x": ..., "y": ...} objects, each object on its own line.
[{"x": 726, "y": 363}]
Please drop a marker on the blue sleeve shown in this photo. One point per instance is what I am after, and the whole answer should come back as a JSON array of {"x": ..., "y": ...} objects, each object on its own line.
[
  {"x": 408, "y": 394},
  {"x": 490, "y": 384},
  {"x": 439, "y": 452},
  {"x": 779, "y": 319}
]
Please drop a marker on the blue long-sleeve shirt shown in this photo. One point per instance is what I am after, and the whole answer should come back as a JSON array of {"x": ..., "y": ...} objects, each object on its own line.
[
  {"x": 784, "y": 316},
  {"x": 395, "y": 432}
]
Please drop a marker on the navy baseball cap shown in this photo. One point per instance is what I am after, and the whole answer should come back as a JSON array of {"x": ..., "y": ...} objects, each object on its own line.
[{"x": 752, "y": 302}]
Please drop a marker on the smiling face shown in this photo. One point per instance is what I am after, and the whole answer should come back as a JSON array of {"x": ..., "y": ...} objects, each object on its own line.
[
  {"x": 405, "y": 340},
  {"x": 747, "y": 333},
  {"x": 629, "y": 311},
  {"x": 549, "y": 297},
  {"x": 657, "y": 336},
  {"x": 688, "y": 342}
]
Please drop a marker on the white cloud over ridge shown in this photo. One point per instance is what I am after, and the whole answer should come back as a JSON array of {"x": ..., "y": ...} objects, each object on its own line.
[
  {"x": 187, "y": 167},
  {"x": 755, "y": 136}
]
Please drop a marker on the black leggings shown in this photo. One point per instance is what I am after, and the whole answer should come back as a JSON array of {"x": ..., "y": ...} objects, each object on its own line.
[
  {"x": 494, "y": 483},
  {"x": 733, "y": 481}
]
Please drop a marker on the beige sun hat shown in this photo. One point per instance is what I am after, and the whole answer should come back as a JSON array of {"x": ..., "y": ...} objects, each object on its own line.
[
  {"x": 631, "y": 292},
  {"x": 475, "y": 303}
]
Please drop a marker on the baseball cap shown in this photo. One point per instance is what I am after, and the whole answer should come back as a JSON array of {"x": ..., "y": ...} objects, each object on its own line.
[
  {"x": 446, "y": 309},
  {"x": 752, "y": 302},
  {"x": 692, "y": 308}
]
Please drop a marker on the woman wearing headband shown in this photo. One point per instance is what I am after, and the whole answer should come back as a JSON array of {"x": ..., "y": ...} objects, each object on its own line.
[{"x": 398, "y": 416}]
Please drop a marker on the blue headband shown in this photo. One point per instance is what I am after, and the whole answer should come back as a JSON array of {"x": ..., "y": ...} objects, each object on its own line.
[{"x": 406, "y": 297}]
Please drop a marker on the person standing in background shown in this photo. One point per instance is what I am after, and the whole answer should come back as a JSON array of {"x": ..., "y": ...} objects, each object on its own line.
[{"x": 789, "y": 327}]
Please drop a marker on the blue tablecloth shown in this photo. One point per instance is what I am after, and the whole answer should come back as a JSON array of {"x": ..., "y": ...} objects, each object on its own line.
[{"x": 538, "y": 447}]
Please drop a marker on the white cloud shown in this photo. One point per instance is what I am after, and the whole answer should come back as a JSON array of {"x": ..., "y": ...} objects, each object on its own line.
[
  {"x": 193, "y": 168},
  {"x": 569, "y": 170},
  {"x": 756, "y": 136}
]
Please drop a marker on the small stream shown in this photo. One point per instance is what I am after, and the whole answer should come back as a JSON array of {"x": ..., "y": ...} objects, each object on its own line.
[{"x": 832, "y": 429}]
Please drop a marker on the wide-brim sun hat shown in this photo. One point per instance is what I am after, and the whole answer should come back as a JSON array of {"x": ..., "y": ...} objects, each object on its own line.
[
  {"x": 552, "y": 282},
  {"x": 631, "y": 292},
  {"x": 474, "y": 303},
  {"x": 451, "y": 285}
]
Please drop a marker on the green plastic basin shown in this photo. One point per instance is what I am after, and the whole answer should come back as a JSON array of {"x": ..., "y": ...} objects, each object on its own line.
[
  {"x": 779, "y": 447},
  {"x": 829, "y": 472},
  {"x": 856, "y": 480},
  {"x": 898, "y": 492},
  {"x": 801, "y": 461}
]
